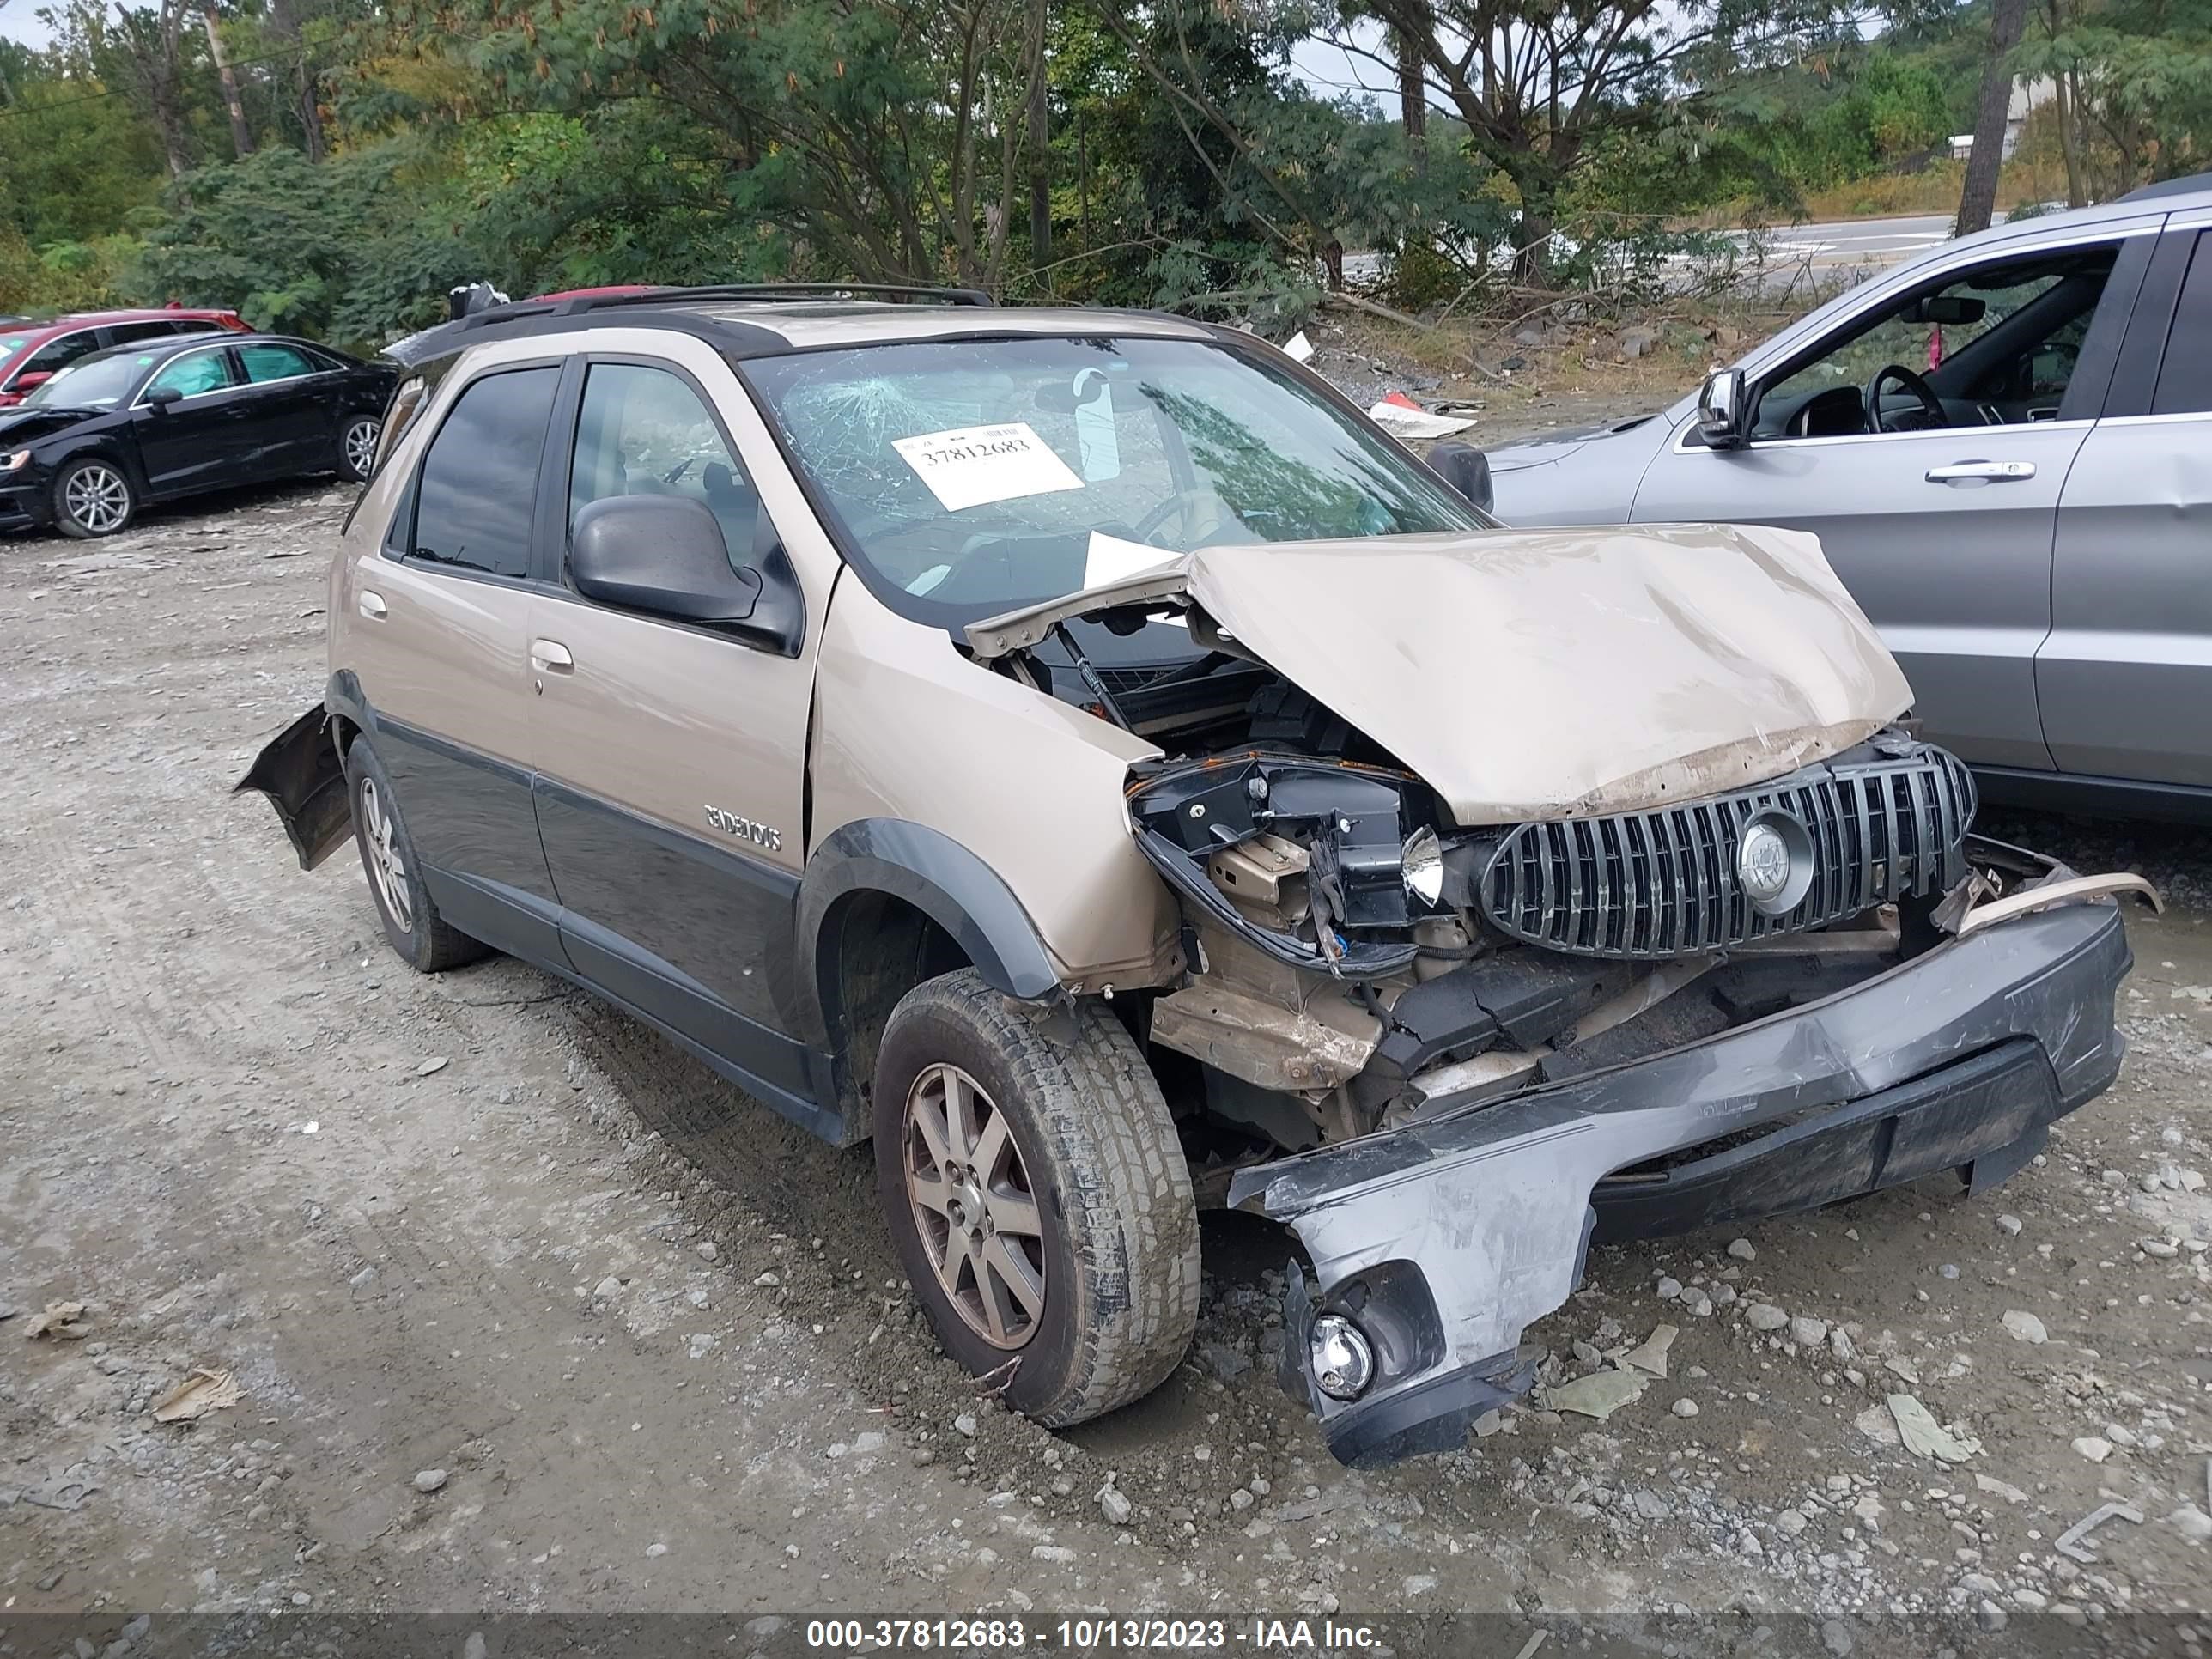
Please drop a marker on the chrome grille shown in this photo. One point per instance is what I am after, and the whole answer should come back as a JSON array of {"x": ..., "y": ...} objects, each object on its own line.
[{"x": 1663, "y": 883}]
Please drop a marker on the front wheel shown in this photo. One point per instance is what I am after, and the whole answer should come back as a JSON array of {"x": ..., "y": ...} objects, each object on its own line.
[
  {"x": 357, "y": 438},
  {"x": 1038, "y": 1197},
  {"x": 93, "y": 497}
]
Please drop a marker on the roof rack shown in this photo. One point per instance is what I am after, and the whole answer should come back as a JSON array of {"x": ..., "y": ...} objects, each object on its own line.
[
  {"x": 761, "y": 293},
  {"x": 771, "y": 292}
]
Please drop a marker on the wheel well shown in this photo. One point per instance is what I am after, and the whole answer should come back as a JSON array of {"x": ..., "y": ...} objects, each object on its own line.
[
  {"x": 342, "y": 733},
  {"x": 874, "y": 949}
]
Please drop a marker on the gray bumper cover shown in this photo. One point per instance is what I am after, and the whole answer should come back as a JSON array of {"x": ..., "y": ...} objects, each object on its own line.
[{"x": 1447, "y": 1238}]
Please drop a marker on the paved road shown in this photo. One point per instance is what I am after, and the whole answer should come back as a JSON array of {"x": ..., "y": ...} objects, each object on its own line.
[
  {"x": 1832, "y": 248},
  {"x": 1868, "y": 243}
]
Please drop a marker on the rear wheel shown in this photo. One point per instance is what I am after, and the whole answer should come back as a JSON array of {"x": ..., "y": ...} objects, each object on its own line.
[
  {"x": 1038, "y": 1198},
  {"x": 357, "y": 438},
  {"x": 93, "y": 497},
  {"x": 412, "y": 925}
]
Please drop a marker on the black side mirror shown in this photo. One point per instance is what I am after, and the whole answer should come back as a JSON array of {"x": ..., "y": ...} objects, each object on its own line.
[
  {"x": 162, "y": 395},
  {"x": 1466, "y": 469},
  {"x": 666, "y": 555},
  {"x": 1722, "y": 419}
]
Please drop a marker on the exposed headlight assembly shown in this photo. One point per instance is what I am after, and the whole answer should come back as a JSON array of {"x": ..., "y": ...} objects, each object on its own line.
[{"x": 1421, "y": 866}]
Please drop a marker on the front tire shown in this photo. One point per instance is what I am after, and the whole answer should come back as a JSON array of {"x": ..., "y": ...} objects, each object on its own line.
[
  {"x": 1038, "y": 1198},
  {"x": 357, "y": 436},
  {"x": 93, "y": 497},
  {"x": 412, "y": 925}
]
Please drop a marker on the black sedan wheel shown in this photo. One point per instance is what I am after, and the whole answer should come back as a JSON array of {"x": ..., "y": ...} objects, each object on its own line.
[
  {"x": 357, "y": 445},
  {"x": 92, "y": 498}
]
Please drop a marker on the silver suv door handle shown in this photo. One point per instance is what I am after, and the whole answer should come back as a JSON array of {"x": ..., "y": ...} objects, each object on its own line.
[
  {"x": 1982, "y": 472},
  {"x": 370, "y": 606},
  {"x": 551, "y": 657}
]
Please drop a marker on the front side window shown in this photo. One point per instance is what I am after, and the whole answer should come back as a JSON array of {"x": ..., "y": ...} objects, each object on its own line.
[
  {"x": 1993, "y": 346},
  {"x": 265, "y": 362},
  {"x": 57, "y": 355},
  {"x": 643, "y": 431},
  {"x": 972, "y": 476},
  {"x": 478, "y": 488},
  {"x": 194, "y": 374}
]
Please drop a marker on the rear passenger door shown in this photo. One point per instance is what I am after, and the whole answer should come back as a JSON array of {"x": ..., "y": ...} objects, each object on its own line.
[
  {"x": 2125, "y": 678},
  {"x": 295, "y": 425},
  {"x": 671, "y": 756},
  {"x": 438, "y": 635}
]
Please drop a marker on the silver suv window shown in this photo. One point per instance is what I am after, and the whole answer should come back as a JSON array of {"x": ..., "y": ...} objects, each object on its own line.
[
  {"x": 643, "y": 431},
  {"x": 970, "y": 476},
  {"x": 477, "y": 489}
]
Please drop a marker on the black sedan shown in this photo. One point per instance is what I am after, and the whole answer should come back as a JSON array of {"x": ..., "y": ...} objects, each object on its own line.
[{"x": 118, "y": 430}]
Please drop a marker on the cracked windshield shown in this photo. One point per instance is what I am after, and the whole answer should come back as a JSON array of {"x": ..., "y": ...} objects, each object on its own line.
[{"x": 972, "y": 476}]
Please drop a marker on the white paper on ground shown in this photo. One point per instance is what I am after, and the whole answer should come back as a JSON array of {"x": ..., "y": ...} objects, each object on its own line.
[
  {"x": 1404, "y": 422},
  {"x": 970, "y": 466},
  {"x": 1298, "y": 347}
]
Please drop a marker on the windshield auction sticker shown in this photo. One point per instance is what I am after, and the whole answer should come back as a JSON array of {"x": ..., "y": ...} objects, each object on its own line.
[{"x": 971, "y": 466}]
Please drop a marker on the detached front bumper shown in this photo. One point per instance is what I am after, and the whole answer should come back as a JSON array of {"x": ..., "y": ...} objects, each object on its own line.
[{"x": 1445, "y": 1239}]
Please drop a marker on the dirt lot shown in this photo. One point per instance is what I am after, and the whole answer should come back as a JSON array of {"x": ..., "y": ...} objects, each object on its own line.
[{"x": 531, "y": 1315}]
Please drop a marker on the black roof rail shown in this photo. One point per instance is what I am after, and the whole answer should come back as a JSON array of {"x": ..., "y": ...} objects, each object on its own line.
[
  {"x": 771, "y": 292},
  {"x": 2182, "y": 186},
  {"x": 764, "y": 293}
]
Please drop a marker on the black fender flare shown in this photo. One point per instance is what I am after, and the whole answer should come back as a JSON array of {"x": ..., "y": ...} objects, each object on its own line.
[
  {"x": 937, "y": 876},
  {"x": 343, "y": 696}
]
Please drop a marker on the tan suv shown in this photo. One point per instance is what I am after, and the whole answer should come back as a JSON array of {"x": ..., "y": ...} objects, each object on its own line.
[{"x": 1082, "y": 753}]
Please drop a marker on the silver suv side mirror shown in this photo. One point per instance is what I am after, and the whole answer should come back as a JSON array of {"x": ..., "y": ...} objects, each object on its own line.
[{"x": 1721, "y": 417}]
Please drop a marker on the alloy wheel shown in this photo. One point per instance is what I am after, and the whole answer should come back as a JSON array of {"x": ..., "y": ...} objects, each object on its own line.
[
  {"x": 974, "y": 1206},
  {"x": 380, "y": 834},
  {"x": 97, "y": 497},
  {"x": 361, "y": 444}
]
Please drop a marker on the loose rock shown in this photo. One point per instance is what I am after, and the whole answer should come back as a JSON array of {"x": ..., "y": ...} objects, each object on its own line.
[
  {"x": 2025, "y": 1327},
  {"x": 429, "y": 1480}
]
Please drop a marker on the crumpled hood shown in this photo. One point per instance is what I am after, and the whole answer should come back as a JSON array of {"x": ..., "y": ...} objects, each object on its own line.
[
  {"x": 21, "y": 426},
  {"x": 1544, "y": 673}
]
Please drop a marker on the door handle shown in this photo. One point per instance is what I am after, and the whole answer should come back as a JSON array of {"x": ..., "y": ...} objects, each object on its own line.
[
  {"x": 371, "y": 605},
  {"x": 1982, "y": 472},
  {"x": 551, "y": 657}
]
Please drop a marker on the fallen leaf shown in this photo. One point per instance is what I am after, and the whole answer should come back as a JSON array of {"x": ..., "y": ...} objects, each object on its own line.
[
  {"x": 1600, "y": 1394},
  {"x": 1924, "y": 1436},
  {"x": 430, "y": 1066},
  {"x": 201, "y": 1392},
  {"x": 65, "y": 1319}
]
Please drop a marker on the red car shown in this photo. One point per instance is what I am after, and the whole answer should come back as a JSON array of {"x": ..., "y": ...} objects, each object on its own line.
[{"x": 30, "y": 352}]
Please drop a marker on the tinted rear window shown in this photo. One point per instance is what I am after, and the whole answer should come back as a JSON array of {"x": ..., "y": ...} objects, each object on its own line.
[
  {"x": 2185, "y": 379},
  {"x": 478, "y": 488}
]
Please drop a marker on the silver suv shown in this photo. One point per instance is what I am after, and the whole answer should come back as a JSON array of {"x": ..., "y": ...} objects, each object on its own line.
[{"x": 1081, "y": 752}]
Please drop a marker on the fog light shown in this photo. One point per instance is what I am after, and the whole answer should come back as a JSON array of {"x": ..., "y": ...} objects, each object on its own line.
[
  {"x": 1422, "y": 863},
  {"x": 1343, "y": 1361}
]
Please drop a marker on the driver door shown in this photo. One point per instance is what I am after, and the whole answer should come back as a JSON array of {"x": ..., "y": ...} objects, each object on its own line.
[{"x": 1942, "y": 532}]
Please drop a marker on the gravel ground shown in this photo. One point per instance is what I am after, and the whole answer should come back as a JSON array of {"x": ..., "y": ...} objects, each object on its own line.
[{"x": 528, "y": 1314}]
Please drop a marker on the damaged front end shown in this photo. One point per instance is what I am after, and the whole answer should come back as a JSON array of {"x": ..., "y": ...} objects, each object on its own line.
[
  {"x": 1453, "y": 1020},
  {"x": 1487, "y": 1047}
]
